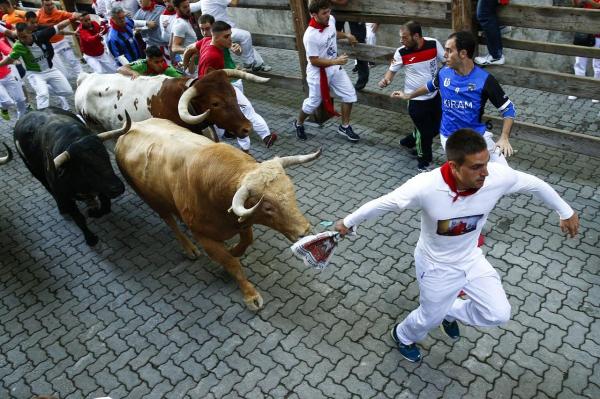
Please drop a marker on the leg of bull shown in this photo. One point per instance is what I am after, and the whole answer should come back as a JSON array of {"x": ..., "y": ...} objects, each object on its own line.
[
  {"x": 104, "y": 207},
  {"x": 246, "y": 239},
  {"x": 216, "y": 251},
  {"x": 190, "y": 249},
  {"x": 71, "y": 207}
]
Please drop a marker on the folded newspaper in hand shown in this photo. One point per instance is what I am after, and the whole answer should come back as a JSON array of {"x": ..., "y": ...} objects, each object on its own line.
[{"x": 316, "y": 250}]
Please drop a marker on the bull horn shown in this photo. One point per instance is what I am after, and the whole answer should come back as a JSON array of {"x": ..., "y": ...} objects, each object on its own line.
[
  {"x": 236, "y": 73},
  {"x": 8, "y": 156},
  {"x": 298, "y": 159},
  {"x": 113, "y": 134},
  {"x": 61, "y": 159},
  {"x": 184, "y": 103},
  {"x": 237, "y": 204}
]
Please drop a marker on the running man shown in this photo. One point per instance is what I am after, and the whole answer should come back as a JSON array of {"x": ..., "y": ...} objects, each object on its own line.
[{"x": 455, "y": 201}]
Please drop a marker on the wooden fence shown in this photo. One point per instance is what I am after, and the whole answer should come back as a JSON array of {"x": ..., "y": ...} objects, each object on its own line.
[{"x": 456, "y": 15}]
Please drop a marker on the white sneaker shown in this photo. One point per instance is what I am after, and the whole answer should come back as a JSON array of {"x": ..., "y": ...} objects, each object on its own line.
[
  {"x": 572, "y": 97},
  {"x": 595, "y": 101},
  {"x": 505, "y": 30},
  {"x": 488, "y": 60}
]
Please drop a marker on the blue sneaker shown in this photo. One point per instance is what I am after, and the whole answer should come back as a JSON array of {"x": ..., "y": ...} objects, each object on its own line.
[
  {"x": 300, "y": 131},
  {"x": 409, "y": 352},
  {"x": 450, "y": 329},
  {"x": 348, "y": 133}
]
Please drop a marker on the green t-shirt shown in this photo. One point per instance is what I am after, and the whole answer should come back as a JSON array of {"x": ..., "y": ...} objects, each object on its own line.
[
  {"x": 38, "y": 56},
  {"x": 229, "y": 64},
  {"x": 141, "y": 67}
]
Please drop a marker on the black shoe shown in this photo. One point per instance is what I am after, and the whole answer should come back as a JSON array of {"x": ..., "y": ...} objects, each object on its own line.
[
  {"x": 359, "y": 86},
  {"x": 409, "y": 141},
  {"x": 300, "y": 133},
  {"x": 414, "y": 153},
  {"x": 355, "y": 69},
  {"x": 348, "y": 133},
  {"x": 423, "y": 167},
  {"x": 450, "y": 329}
]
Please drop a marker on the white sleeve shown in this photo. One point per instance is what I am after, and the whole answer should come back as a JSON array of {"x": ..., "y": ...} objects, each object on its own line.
[
  {"x": 101, "y": 8},
  {"x": 3, "y": 28},
  {"x": 140, "y": 23},
  {"x": 311, "y": 48},
  {"x": 396, "y": 62},
  {"x": 405, "y": 196},
  {"x": 179, "y": 28},
  {"x": 195, "y": 7},
  {"x": 440, "y": 51},
  {"x": 530, "y": 184}
]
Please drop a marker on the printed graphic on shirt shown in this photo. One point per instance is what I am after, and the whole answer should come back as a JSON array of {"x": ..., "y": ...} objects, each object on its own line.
[{"x": 458, "y": 226}]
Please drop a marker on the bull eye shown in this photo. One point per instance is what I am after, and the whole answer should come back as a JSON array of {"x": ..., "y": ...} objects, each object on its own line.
[{"x": 215, "y": 105}]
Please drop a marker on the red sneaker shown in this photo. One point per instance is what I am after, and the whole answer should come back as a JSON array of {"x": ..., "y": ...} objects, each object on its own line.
[
  {"x": 270, "y": 140},
  {"x": 480, "y": 240},
  {"x": 462, "y": 295}
]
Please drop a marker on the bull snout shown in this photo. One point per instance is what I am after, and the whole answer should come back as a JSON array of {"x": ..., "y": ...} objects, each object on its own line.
[
  {"x": 301, "y": 232},
  {"x": 244, "y": 130}
]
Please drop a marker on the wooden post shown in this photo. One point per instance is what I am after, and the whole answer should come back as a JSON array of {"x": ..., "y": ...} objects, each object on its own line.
[
  {"x": 300, "y": 15},
  {"x": 462, "y": 16}
]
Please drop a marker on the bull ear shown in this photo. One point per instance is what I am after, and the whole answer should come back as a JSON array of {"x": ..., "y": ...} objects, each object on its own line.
[{"x": 113, "y": 134}]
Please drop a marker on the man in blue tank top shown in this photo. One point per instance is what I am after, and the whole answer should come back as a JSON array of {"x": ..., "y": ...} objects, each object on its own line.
[{"x": 465, "y": 88}]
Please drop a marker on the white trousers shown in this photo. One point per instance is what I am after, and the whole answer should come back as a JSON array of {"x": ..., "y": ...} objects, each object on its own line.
[
  {"x": 439, "y": 285},
  {"x": 11, "y": 93},
  {"x": 104, "y": 63},
  {"x": 67, "y": 63},
  {"x": 580, "y": 66},
  {"x": 495, "y": 154},
  {"x": 339, "y": 83},
  {"x": 259, "y": 125},
  {"x": 249, "y": 54},
  {"x": 49, "y": 82}
]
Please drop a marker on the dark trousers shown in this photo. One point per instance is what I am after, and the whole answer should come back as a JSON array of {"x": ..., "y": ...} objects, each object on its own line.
[
  {"x": 486, "y": 15},
  {"x": 359, "y": 30},
  {"x": 426, "y": 116}
]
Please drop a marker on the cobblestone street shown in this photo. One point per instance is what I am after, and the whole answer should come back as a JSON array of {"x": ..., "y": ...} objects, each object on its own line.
[{"x": 134, "y": 318}]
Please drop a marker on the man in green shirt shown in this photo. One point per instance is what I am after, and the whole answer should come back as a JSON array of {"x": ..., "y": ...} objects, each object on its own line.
[
  {"x": 154, "y": 64},
  {"x": 36, "y": 53}
]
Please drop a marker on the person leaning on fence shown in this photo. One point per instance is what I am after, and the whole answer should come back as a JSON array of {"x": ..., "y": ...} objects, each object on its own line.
[
  {"x": 324, "y": 70},
  {"x": 420, "y": 57},
  {"x": 581, "y": 63},
  {"x": 121, "y": 40},
  {"x": 154, "y": 64},
  {"x": 465, "y": 88},
  {"x": 456, "y": 200}
]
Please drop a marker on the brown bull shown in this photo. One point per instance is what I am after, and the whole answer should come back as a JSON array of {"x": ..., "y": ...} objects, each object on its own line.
[
  {"x": 217, "y": 190},
  {"x": 191, "y": 103}
]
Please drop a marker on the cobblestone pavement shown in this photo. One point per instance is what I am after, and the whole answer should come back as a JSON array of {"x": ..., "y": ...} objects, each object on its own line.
[{"x": 133, "y": 318}]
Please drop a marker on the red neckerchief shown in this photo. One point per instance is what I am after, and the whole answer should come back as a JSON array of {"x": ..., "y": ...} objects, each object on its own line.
[
  {"x": 317, "y": 25},
  {"x": 169, "y": 12},
  {"x": 118, "y": 28},
  {"x": 323, "y": 81},
  {"x": 150, "y": 7},
  {"x": 164, "y": 67},
  {"x": 451, "y": 182}
]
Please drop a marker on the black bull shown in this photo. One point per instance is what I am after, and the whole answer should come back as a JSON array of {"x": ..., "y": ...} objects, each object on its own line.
[{"x": 70, "y": 161}]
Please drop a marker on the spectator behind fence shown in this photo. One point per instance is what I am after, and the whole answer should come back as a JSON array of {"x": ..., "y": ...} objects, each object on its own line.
[
  {"x": 581, "y": 63},
  {"x": 11, "y": 15},
  {"x": 120, "y": 40},
  {"x": 151, "y": 11},
  {"x": 486, "y": 15}
]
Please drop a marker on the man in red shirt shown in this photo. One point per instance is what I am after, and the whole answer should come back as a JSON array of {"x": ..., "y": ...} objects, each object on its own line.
[
  {"x": 92, "y": 46},
  {"x": 211, "y": 51}
]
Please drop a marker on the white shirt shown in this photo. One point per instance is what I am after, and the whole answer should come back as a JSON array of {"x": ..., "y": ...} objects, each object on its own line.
[
  {"x": 421, "y": 65},
  {"x": 322, "y": 45},
  {"x": 183, "y": 28},
  {"x": 103, "y": 7},
  {"x": 218, "y": 9},
  {"x": 166, "y": 26},
  {"x": 449, "y": 229}
]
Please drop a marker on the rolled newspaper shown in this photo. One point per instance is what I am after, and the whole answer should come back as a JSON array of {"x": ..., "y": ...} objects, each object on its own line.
[{"x": 316, "y": 250}]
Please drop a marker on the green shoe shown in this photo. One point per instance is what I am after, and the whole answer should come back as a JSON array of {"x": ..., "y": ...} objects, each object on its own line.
[{"x": 5, "y": 115}]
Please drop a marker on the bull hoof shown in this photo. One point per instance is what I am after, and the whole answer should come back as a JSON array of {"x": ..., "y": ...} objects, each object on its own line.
[
  {"x": 91, "y": 240},
  {"x": 192, "y": 253},
  {"x": 236, "y": 251},
  {"x": 254, "y": 302}
]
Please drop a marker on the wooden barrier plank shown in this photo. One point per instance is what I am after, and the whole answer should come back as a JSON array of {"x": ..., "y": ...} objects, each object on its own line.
[
  {"x": 552, "y": 48},
  {"x": 413, "y": 8},
  {"x": 388, "y": 19},
  {"x": 265, "y": 4},
  {"x": 286, "y": 42},
  {"x": 566, "y": 19},
  {"x": 554, "y": 82},
  {"x": 558, "y": 138}
]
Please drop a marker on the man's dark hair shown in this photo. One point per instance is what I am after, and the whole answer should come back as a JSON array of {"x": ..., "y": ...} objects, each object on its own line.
[
  {"x": 30, "y": 14},
  {"x": 6, "y": 2},
  {"x": 177, "y": 3},
  {"x": 207, "y": 19},
  {"x": 84, "y": 13},
  {"x": 413, "y": 27},
  {"x": 464, "y": 41},
  {"x": 315, "y": 5},
  {"x": 153, "y": 52},
  {"x": 22, "y": 26},
  {"x": 220, "y": 26},
  {"x": 464, "y": 142}
]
